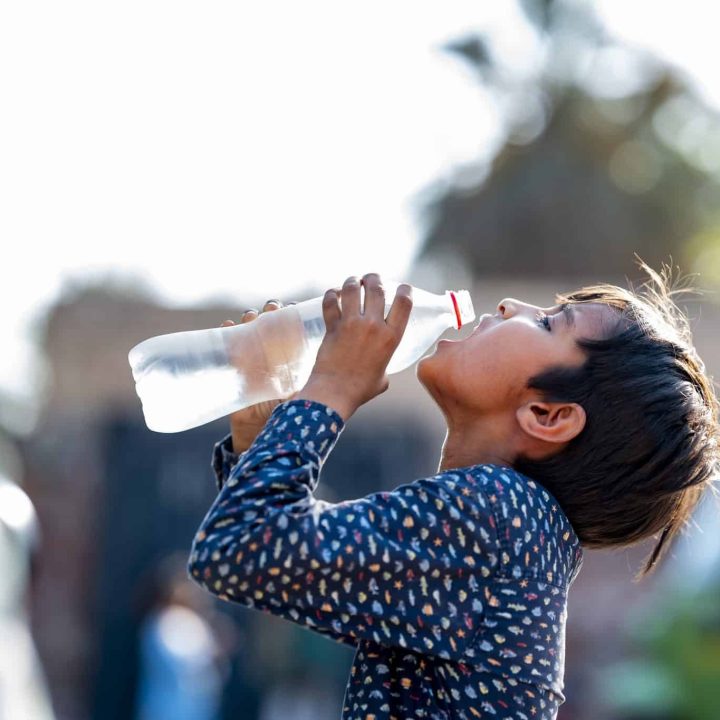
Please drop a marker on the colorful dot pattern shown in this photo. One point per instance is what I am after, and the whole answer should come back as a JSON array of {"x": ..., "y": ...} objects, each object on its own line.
[{"x": 452, "y": 588}]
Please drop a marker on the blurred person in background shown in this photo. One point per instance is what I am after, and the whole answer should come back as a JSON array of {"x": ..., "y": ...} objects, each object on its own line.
[
  {"x": 183, "y": 661},
  {"x": 302, "y": 696},
  {"x": 589, "y": 423},
  {"x": 23, "y": 690}
]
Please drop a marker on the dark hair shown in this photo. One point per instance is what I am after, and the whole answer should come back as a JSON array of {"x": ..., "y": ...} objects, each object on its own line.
[{"x": 649, "y": 448}]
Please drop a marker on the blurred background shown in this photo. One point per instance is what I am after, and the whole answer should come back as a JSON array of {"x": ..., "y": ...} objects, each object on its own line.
[{"x": 164, "y": 166}]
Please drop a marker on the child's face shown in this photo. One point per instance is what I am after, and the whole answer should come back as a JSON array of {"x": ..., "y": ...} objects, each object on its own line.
[{"x": 488, "y": 371}]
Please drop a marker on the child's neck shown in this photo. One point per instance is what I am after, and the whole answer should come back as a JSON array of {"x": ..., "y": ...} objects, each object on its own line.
[{"x": 485, "y": 441}]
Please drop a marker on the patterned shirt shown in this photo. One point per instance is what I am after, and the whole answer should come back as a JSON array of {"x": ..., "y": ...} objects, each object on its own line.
[{"x": 452, "y": 588}]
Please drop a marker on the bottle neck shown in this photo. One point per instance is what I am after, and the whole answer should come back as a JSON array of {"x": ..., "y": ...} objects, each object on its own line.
[{"x": 456, "y": 308}]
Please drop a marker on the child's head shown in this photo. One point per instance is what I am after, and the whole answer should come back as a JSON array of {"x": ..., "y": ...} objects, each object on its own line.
[
  {"x": 615, "y": 415},
  {"x": 649, "y": 447}
]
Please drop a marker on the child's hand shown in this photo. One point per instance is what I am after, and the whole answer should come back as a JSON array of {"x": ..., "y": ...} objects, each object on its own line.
[
  {"x": 245, "y": 424},
  {"x": 351, "y": 361}
]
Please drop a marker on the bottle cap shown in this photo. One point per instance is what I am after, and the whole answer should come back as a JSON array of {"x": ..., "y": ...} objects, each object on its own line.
[{"x": 462, "y": 302}]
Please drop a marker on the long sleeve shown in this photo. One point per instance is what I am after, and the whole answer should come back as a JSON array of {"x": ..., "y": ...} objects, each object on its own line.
[
  {"x": 405, "y": 568},
  {"x": 224, "y": 459}
]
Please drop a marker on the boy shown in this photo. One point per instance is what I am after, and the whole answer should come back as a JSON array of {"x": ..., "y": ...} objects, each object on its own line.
[{"x": 590, "y": 422}]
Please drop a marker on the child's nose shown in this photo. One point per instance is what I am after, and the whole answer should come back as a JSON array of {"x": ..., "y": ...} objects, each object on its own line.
[{"x": 508, "y": 307}]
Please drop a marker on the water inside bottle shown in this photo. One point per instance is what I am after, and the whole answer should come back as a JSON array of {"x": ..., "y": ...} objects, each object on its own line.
[{"x": 167, "y": 395}]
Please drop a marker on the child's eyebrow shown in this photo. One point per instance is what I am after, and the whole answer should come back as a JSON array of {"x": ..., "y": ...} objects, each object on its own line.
[{"x": 569, "y": 314}]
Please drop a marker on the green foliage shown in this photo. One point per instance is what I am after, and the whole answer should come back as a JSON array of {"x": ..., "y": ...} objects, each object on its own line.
[{"x": 685, "y": 645}]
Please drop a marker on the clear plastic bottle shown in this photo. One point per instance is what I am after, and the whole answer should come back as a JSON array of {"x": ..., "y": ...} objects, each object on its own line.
[{"x": 190, "y": 378}]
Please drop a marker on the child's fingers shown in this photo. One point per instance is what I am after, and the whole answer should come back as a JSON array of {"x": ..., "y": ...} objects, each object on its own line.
[
  {"x": 374, "y": 295},
  {"x": 399, "y": 314},
  {"x": 351, "y": 296},
  {"x": 249, "y": 315},
  {"x": 252, "y": 313},
  {"x": 331, "y": 308}
]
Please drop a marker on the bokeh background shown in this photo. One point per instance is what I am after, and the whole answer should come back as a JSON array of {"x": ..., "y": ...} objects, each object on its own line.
[{"x": 164, "y": 166}]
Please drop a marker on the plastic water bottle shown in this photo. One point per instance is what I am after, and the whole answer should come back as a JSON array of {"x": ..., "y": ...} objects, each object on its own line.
[{"x": 190, "y": 378}]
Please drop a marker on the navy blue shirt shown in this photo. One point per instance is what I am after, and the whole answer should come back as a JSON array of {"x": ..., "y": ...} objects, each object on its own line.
[{"x": 452, "y": 588}]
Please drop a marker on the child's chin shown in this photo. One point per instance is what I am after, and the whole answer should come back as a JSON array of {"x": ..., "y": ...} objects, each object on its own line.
[
  {"x": 424, "y": 367},
  {"x": 427, "y": 377}
]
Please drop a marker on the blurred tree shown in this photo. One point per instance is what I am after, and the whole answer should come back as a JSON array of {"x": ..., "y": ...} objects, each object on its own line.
[{"x": 607, "y": 152}]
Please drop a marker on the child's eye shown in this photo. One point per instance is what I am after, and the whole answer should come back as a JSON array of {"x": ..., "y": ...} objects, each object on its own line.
[{"x": 542, "y": 318}]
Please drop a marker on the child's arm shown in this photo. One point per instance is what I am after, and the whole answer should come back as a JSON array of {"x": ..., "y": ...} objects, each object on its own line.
[
  {"x": 405, "y": 568},
  {"x": 224, "y": 459}
]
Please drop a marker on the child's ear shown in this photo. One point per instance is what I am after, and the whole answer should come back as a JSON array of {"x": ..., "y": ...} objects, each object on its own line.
[{"x": 553, "y": 422}]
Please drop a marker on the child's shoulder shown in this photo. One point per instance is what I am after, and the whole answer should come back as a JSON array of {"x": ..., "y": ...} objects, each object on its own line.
[{"x": 523, "y": 509}]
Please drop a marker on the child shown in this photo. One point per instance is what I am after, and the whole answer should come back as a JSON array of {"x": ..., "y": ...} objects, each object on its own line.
[{"x": 590, "y": 423}]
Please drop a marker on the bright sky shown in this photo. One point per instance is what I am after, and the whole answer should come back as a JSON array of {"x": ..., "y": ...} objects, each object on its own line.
[{"x": 234, "y": 151}]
